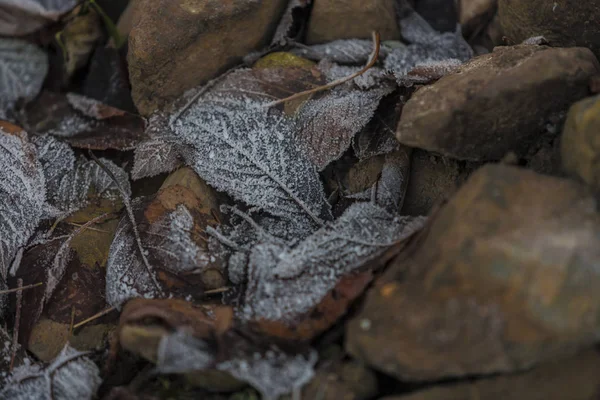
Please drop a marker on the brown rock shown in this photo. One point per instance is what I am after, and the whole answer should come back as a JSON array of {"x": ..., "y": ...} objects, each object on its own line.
[
  {"x": 347, "y": 380},
  {"x": 580, "y": 142},
  {"x": 175, "y": 45},
  {"x": 505, "y": 276},
  {"x": 347, "y": 19},
  {"x": 563, "y": 23},
  {"x": 497, "y": 102},
  {"x": 576, "y": 378}
]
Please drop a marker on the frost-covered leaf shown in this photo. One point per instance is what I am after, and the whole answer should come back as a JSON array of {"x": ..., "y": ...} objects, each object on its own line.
[
  {"x": 71, "y": 375},
  {"x": 22, "y": 194},
  {"x": 328, "y": 124},
  {"x": 170, "y": 245},
  {"x": 285, "y": 283},
  {"x": 343, "y": 51},
  {"x": 373, "y": 78},
  {"x": 156, "y": 155},
  {"x": 23, "y": 68},
  {"x": 84, "y": 122},
  {"x": 426, "y": 46},
  {"x": 272, "y": 371},
  {"x": 248, "y": 151},
  {"x": 20, "y": 17},
  {"x": 69, "y": 182}
]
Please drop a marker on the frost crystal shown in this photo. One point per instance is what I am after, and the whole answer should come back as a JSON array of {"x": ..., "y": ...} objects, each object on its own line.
[
  {"x": 244, "y": 149},
  {"x": 20, "y": 17},
  {"x": 23, "y": 68},
  {"x": 343, "y": 51},
  {"x": 156, "y": 155},
  {"x": 427, "y": 46},
  {"x": 71, "y": 375},
  {"x": 68, "y": 182},
  {"x": 22, "y": 195},
  {"x": 285, "y": 283}
]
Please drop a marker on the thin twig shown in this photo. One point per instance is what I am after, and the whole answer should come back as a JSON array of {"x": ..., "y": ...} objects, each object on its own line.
[
  {"x": 93, "y": 317},
  {"x": 15, "y": 338},
  {"x": 136, "y": 232},
  {"x": 371, "y": 61},
  {"x": 218, "y": 290},
  {"x": 72, "y": 321},
  {"x": 18, "y": 289}
]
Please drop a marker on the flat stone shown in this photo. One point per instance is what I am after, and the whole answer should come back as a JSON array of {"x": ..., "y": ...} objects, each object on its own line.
[
  {"x": 505, "y": 276},
  {"x": 348, "y": 19},
  {"x": 575, "y": 378},
  {"x": 563, "y": 23},
  {"x": 580, "y": 141},
  {"x": 175, "y": 45},
  {"x": 497, "y": 102}
]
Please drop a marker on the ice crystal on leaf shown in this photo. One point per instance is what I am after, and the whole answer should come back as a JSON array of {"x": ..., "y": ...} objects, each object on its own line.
[
  {"x": 284, "y": 283},
  {"x": 71, "y": 375},
  {"x": 22, "y": 195},
  {"x": 156, "y": 155},
  {"x": 343, "y": 51},
  {"x": 23, "y": 68},
  {"x": 20, "y": 17},
  {"x": 248, "y": 151}
]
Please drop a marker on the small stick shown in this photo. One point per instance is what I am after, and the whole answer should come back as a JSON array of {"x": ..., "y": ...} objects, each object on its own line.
[
  {"x": 15, "y": 338},
  {"x": 218, "y": 290},
  {"x": 372, "y": 59},
  {"x": 93, "y": 317},
  {"x": 19, "y": 289},
  {"x": 72, "y": 321}
]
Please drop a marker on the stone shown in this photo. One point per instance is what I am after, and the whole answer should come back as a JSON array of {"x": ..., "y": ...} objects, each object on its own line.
[
  {"x": 504, "y": 276},
  {"x": 175, "y": 45},
  {"x": 580, "y": 141},
  {"x": 348, "y": 19},
  {"x": 575, "y": 378},
  {"x": 564, "y": 23},
  {"x": 497, "y": 102}
]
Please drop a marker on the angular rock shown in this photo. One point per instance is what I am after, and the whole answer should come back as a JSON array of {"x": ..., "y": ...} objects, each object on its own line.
[
  {"x": 348, "y": 380},
  {"x": 580, "y": 142},
  {"x": 575, "y": 378},
  {"x": 497, "y": 102},
  {"x": 177, "y": 45},
  {"x": 505, "y": 276},
  {"x": 348, "y": 19},
  {"x": 562, "y": 23}
]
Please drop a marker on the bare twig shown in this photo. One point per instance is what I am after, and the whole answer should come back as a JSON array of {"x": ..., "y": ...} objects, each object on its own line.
[
  {"x": 371, "y": 61},
  {"x": 94, "y": 317},
  {"x": 15, "y": 338},
  {"x": 18, "y": 289},
  {"x": 218, "y": 290},
  {"x": 136, "y": 232}
]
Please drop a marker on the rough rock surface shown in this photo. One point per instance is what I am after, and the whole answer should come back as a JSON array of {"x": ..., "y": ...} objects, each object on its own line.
[
  {"x": 497, "y": 102},
  {"x": 347, "y": 19},
  {"x": 563, "y": 23},
  {"x": 175, "y": 45},
  {"x": 575, "y": 378},
  {"x": 505, "y": 276},
  {"x": 580, "y": 141}
]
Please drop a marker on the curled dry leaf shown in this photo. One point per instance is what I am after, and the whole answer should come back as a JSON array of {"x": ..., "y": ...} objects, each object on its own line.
[
  {"x": 84, "y": 122},
  {"x": 20, "y": 17},
  {"x": 71, "y": 375},
  {"x": 23, "y": 68}
]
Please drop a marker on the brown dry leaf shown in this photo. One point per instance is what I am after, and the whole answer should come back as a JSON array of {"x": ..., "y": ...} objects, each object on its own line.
[
  {"x": 20, "y": 17},
  {"x": 83, "y": 122}
]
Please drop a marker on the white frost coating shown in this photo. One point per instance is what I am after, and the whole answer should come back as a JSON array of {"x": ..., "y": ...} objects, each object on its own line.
[
  {"x": 253, "y": 158},
  {"x": 70, "y": 376},
  {"x": 156, "y": 155},
  {"x": 284, "y": 283},
  {"x": 20, "y": 17},
  {"x": 343, "y": 51},
  {"x": 328, "y": 124},
  {"x": 373, "y": 78},
  {"x": 427, "y": 46},
  {"x": 180, "y": 353},
  {"x": 68, "y": 182},
  {"x": 22, "y": 195},
  {"x": 23, "y": 68}
]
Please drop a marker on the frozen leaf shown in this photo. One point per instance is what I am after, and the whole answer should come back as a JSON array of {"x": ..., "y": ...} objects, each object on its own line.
[
  {"x": 156, "y": 155},
  {"x": 248, "y": 151},
  {"x": 371, "y": 79},
  {"x": 22, "y": 194},
  {"x": 69, "y": 182},
  {"x": 343, "y": 51},
  {"x": 20, "y": 17},
  {"x": 23, "y": 68},
  {"x": 426, "y": 46},
  {"x": 328, "y": 124},
  {"x": 84, "y": 122},
  {"x": 429, "y": 71},
  {"x": 70, "y": 376},
  {"x": 285, "y": 283}
]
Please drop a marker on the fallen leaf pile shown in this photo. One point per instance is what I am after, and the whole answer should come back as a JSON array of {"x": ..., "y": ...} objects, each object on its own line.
[{"x": 225, "y": 233}]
